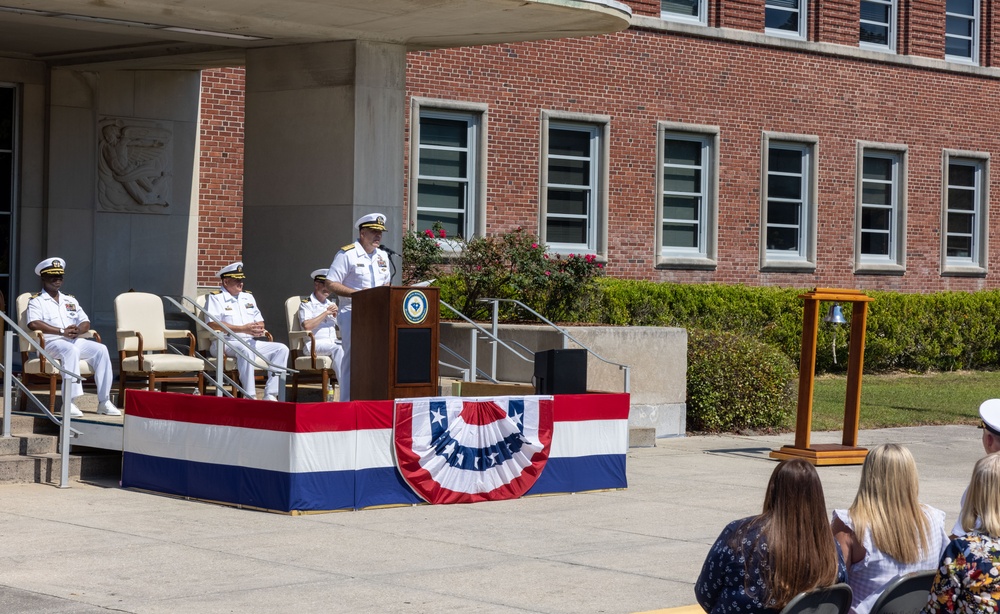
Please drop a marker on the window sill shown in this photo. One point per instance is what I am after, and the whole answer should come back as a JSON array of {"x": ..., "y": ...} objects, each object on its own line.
[
  {"x": 871, "y": 268},
  {"x": 688, "y": 263},
  {"x": 963, "y": 271},
  {"x": 787, "y": 266}
]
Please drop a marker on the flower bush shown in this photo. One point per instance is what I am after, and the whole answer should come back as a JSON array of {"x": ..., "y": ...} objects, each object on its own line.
[{"x": 422, "y": 254}]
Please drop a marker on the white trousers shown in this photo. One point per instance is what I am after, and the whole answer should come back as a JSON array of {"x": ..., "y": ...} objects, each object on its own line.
[
  {"x": 72, "y": 351},
  {"x": 344, "y": 374},
  {"x": 275, "y": 353},
  {"x": 328, "y": 347}
]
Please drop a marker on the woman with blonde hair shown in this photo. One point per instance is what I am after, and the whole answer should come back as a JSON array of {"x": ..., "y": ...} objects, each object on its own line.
[
  {"x": 968, "y": 578},
  {"x": 887, "y": 532},
  {"x": 759, "y": 563}
]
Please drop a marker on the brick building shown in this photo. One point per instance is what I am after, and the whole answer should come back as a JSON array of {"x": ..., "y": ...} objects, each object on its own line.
[{"x": 765, "y": 142}]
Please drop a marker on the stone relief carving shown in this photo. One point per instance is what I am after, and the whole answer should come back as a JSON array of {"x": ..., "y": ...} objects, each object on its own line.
[{"x": 134, "y": 165}]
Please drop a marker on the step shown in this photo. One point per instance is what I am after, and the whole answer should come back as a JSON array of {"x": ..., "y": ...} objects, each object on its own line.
[
  {"x": 28, "y": 444},
  {"x": 47, "y": 468},
  {"x": 641, "y": 437},
  {"x": 28, "y": 423}
]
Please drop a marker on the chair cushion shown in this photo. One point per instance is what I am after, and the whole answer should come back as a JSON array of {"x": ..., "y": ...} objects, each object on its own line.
[
  {"x": 304, "y": 363},
  {"x": 163, "y": 363},
  {"x": 34, "y": 366}
]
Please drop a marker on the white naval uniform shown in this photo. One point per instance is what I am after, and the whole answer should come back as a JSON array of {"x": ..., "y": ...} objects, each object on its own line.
[
  {"x": 63, "y": 313},
  {"x": 359, "y": 271},
  {"x": 325, "y": 332},
  {"x": 239, "y": 310}
]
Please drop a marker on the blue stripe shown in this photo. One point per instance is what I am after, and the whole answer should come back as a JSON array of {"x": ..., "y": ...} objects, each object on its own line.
[
  {"x": 382, "y": 486},
  {"x": 576, "y": 474}
]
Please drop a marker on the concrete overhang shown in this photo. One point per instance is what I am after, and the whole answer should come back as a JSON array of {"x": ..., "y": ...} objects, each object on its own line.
[{"x": 203, "y": 33}]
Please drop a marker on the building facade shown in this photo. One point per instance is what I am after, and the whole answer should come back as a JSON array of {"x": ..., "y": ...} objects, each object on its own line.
[{"x": 799, "y": 143}]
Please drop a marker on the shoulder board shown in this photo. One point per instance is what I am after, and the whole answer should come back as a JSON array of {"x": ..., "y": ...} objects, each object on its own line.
[
  {"x": 247, "y": 292},
  {"x": 347, "y": 247},
  {"x": 68, "y": 295},
  {"x": 36, "y": 295},
  {"x": 214, "y": 292},
  {"x": 305, "y": 299}
]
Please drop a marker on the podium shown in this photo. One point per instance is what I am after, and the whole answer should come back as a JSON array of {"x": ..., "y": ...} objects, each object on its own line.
[{"x": 394, "y": 343}]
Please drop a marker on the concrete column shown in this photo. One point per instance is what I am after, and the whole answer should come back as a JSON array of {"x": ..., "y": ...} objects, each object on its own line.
[{"x": 324, "y": 145}]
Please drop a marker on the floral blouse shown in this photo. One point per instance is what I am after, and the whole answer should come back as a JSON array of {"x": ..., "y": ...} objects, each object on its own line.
[
  {"x": 968, "y": 579},
  {"x": 723, "y": 586}
]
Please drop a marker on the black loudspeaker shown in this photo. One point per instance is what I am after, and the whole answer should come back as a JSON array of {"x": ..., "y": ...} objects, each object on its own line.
[{"x": 561, "y": 372}]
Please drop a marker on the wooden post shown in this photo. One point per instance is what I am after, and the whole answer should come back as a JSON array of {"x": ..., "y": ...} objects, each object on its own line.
[{"x": 846, "y": 453}]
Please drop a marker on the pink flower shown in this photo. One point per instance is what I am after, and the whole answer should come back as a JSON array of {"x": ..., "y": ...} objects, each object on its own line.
[
  {"x": 571, "y": 255},
  {"x": 600, "y": 266},
  {"x": 548, "y": 273},
  {"x": 534, "y": 246},
  {"x": 436, "y": 244},
  {"x": 442, "y": 233},
  {"x": 479, "y": 268},
  {"x": 428, "y": 233}
]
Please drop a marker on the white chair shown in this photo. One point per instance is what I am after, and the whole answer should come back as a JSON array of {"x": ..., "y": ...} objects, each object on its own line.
[
  {"x": 312, "y": 366},
  {"x": 36, "y": 369},
  {"x": 143, "y": 351}
]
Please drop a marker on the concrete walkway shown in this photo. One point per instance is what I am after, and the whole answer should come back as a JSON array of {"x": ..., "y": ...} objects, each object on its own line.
[{"x": 97, "y": 548}]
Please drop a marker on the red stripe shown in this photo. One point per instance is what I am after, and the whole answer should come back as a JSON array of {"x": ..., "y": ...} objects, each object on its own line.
[{"x": 581, "y": 407}]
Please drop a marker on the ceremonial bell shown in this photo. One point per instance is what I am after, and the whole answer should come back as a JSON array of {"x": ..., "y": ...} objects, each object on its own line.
[{"x": 835, "y": 315}]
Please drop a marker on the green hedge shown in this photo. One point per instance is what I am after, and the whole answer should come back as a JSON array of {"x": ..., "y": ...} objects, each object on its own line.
[
  {"x": 915, "y": 332},
  {"x": 735, "y": 382}
]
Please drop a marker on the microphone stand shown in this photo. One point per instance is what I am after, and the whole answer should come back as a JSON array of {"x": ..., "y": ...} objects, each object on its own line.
[{"x": 392, "y": 265}]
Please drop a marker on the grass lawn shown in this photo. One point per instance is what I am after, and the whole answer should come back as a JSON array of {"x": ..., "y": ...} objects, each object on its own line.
[{"x": 905, "y": 400}]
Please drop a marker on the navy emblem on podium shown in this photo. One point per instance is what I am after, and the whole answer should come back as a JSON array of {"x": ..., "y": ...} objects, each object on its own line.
[{"x": 415, "y": 307}]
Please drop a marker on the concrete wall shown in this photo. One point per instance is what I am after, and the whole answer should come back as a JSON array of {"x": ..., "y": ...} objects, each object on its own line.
[
  {"x": 111, "y": 251},
  {"x": 656, "y": 356}
]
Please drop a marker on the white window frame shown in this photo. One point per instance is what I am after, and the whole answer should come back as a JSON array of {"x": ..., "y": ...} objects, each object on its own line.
[
  {"x": 478, "y": 116},
  {"x": 599, "y": 127},
  {"x": 895, "y": 261},
  {"x": 803, "y": 15},
  {"x": 706, "y": 255},
  {"x": 804, "y": 259},
  {"x": 976, "y": 264},
  {"x": 974, "y": 59},
  {"x": 890, "y": 47},
  {"x": 700, "y": 19}
]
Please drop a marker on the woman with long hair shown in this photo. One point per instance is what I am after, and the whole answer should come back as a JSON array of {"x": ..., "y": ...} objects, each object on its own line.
[
  {"x": 887, "y": 532},
  {"x": 968, "y": 578},
  {"x": 758, "y": 564}
]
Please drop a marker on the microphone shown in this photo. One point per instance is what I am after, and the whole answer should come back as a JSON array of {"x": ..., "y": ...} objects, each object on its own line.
[{"x": 388, "y": 250}]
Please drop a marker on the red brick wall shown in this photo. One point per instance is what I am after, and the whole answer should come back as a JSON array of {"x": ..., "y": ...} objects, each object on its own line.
[
  {"x": 641, "y": 77},
  {"x": 220, "y": 213}
]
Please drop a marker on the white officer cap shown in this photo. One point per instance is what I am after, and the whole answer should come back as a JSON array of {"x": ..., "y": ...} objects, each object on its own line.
[
  {"x": 375, "y": 221},
  {"x": 320, "y": 274},
  {"x": 51, "y": 266},
  {"x": 234, "y": 271},
  {"x": 989, "y": 411}
]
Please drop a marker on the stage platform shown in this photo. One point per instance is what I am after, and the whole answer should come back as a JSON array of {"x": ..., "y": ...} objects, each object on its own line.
[{"x": 317, "y": 457}]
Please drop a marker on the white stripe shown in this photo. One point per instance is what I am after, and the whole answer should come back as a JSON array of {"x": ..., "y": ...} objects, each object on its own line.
[
  {"x": 375, "y": 449},
  {"x": 242, "y": 447},
  {"x": 589, "y": 438}
]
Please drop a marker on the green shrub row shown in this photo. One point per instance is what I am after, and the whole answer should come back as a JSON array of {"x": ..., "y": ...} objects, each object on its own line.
[
  {"x": 914, "y": 332},
  {"x": 736, "y": 382}
]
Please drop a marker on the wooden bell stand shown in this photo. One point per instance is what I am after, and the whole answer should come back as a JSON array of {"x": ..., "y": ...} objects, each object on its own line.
[{"x": 847, "y": 453}]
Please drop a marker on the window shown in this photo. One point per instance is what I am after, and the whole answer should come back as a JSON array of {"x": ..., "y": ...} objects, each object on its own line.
[
  {"x": 688, "y": 185},
  {"x": 8, "y": 184},
  {"x": 788, "y": 202},
  {"x": 692, "y": 11},
  {"x": 878, "y": 25},
  {"x": 965, "y": 210},
  {"x": 880, "y": 239},
  {"x": 446, "y": 176},
  {"x": 785, "y": 18},
  {"x": 574, "y": 193},
  {"x": 961, "y": 32}
]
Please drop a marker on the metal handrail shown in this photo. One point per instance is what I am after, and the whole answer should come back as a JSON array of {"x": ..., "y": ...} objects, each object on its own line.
[
  {"x": 66, "y": 432},
  {"x": 496, "y": 304},
  {"x": 224, "y": 341},
  {"x": 493, "y": 338},
  {"x": 464, "y": 369}
]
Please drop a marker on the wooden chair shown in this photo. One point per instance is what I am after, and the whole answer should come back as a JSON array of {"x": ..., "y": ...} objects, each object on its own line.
[
  {"x": 314, "y": 367},
  {"x": 143, "y": 352},
  {"x": 36, "y": 370},
  {"x": 906, "y": 594},
  {"x": 205, "y": 341},
  {"x": 834, "y": 599}
]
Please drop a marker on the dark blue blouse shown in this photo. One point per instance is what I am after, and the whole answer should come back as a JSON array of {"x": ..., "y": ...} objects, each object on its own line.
[{"x": 722, "y": 585}]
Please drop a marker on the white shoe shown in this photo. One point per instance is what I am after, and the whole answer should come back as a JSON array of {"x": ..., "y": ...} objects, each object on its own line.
[
  {"x": 74, "y": 411},
  {"x": 108, "y": 409},
  {"x": 270, "y": 397}
]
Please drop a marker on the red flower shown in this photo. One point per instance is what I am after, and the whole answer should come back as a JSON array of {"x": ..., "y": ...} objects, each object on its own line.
[
  {"x": 548, "y": 272},
  {"x": 600, "y": 266},
  {"x": 534, "y": 246},
  {"x": 442, "y": 233},
  {"x": 428, "y": 233}
]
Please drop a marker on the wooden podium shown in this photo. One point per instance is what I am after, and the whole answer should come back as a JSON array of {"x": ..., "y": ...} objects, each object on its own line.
[
  {"x": 848, "y": 452},
  {"x": 394, "y": 343}
]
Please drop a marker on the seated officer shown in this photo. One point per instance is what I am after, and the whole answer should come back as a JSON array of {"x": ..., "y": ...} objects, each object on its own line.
[
  {"x": 61, "y": 319},
  {"x": 318, "y": 315},
  {"x": 238, "y": 310}
]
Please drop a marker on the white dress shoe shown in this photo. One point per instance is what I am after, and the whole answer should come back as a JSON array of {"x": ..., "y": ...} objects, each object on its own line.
[
  {"x": 270, "y": 397},
  {"x": 74, "y": 411},
  {"x": 108, "y": 409}
]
